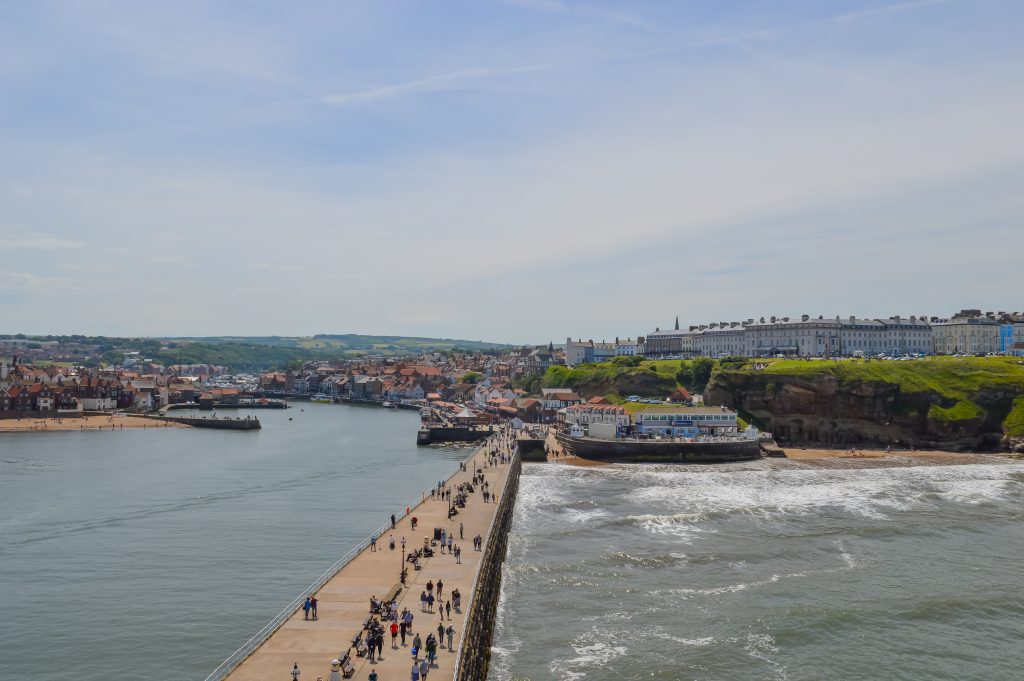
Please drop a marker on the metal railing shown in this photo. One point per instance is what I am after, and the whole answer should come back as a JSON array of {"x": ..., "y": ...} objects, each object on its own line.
[{"x": 260, "y": 637}]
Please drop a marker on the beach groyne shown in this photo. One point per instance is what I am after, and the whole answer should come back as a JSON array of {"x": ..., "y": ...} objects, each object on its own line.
[{"x": 475, "y": 651}]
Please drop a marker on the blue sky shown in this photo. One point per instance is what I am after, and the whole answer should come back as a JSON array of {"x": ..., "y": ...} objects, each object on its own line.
[{"x": 517, "y": 170}]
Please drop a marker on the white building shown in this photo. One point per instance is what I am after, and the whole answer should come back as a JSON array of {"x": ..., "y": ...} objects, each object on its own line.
[
  {"x": 967, "y": 333},
  {"x": 626, "y": 347},
  {"x": 720, "y": 340}
]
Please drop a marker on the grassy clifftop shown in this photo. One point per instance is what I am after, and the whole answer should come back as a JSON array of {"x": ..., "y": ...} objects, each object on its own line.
[
  {"x": 969, "y": 400},
  {"x": 626, "y": 376}
]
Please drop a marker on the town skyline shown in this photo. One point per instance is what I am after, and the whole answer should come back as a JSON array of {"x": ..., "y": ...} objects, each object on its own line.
[{"x": 504, "y": 171}]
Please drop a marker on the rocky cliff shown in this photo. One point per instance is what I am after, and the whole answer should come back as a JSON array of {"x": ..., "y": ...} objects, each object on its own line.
[{"x": 970, "y": 405}]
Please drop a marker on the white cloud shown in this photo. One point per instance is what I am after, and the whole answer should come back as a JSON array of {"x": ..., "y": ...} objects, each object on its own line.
[
  {"x": 274, "y": 267},
  {"x": 34, "y": 241},
  {"x": 25, "y": 281},
  {"x": 436, "y": 83}
]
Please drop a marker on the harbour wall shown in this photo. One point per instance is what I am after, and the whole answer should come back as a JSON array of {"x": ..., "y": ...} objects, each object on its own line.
[
  {"x": 475, "y": 651},
  {"x": 426, "y": 436},
  {"x": 220, "y": 424}
]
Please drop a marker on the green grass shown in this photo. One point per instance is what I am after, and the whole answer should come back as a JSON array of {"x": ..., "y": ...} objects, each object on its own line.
[
  {"x": 1014, "y": 423},
  {"x": 957, "y": 378},
  {"x": 961, "y": 411}
]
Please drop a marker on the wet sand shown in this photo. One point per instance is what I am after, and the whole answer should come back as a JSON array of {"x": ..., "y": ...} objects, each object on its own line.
[{"x": 115, "y": 422}]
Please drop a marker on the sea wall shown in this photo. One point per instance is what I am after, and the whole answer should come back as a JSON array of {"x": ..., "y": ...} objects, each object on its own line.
[
  {"x": 427, "y": 436},
  {"x": 475, "y": 652}
]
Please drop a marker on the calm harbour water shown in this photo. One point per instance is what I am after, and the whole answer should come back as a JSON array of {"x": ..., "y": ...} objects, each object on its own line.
[
  {"x": 155, "y": 553},
  {"x": 764, "y": 572}
]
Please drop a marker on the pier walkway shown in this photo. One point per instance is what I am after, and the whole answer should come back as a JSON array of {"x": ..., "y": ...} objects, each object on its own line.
[{"x": 344, "y": 599}]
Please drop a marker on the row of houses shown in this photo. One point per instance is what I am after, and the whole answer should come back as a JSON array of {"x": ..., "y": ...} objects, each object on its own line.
[{"x": 967, "y": 332}]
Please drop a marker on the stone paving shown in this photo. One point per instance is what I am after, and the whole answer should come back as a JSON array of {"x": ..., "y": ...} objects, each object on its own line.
[{"x": 344, "y": 600}]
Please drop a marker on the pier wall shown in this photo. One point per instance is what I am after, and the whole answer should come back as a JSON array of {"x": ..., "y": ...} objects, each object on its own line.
[
  {"x": 475, "y": 651},
  {"x": 451, "y": 434}
]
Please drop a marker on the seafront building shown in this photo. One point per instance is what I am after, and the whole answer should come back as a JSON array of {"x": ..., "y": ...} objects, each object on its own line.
[{"x": 608, "y": 421}]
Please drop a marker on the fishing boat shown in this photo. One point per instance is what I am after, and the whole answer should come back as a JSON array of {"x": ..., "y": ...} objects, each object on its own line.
[
  {"x": 388, "y": 405},
  {"x": 321, "y": 398}
]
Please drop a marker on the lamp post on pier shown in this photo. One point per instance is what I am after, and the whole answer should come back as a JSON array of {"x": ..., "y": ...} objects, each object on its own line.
[{"x": 401, "y": 575}]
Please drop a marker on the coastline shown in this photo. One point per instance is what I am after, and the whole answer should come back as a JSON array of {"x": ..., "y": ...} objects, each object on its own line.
[{"x": 73, "y": 423}]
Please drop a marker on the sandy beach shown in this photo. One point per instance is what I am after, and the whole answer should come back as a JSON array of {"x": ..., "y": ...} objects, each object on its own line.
[{"x": 113, "y": 422}]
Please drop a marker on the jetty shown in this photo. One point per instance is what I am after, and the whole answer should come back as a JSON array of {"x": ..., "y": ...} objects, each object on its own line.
[
  {"x": 223, "y": 423},
  {"x": 345, "y": 589}
]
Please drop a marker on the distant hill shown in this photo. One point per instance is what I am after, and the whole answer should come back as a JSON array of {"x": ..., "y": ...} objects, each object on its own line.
[
  {"x": 353, "y": 342},
  {"x": 238, "y": 353}
]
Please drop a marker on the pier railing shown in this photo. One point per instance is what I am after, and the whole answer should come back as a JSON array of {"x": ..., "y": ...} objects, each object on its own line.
[
  {"x": 474, "y": 655},
  {"x": 260, "y": 637}
]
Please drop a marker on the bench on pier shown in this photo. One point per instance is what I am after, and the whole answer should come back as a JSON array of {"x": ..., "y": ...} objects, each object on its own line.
[
  {"x": 359, "y": 644},
  {"x": 347, "y": 669}
]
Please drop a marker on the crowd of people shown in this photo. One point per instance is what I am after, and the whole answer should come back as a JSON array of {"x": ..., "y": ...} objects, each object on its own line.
[{"x": 385, "y": 616}]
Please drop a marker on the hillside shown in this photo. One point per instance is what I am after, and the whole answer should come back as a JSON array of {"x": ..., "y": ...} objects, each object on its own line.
[
  {"x": 627, "y": 376},
  {"x": 948, "y": 402}
]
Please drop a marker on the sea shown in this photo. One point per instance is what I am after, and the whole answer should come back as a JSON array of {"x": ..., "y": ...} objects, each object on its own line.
[
  {"x": 155, "y": 553},
  {"x": 773, "y": 571}
]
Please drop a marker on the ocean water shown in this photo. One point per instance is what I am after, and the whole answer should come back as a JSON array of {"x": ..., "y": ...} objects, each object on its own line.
[
  {"x": 765, "y": 571},
  {"x": 154, "y": 554}
]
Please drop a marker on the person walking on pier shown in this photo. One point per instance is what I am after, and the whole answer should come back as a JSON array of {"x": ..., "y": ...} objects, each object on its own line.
[
  {"x": 449, "y": 544},
  {"x": 450, "y": 632},
  {"x": 394, "y": 635},
  {"x": 379, "y": 640},
  {"x": 424, "y": 669},
  {"x": 440, "y": 631},
  {"x": 458, "y": 555},
  {"x": 440, "y": 587},
  {"x": 305, "y": 608},
  {"x": 392, "y": 521},
  {"x": 312, "y": 606},
  {"x": 461, "y": 536},
  {"x": 415, "y": 671},
  {"x": 373, "y": 542},
  {"x": 448, "y": 610}
]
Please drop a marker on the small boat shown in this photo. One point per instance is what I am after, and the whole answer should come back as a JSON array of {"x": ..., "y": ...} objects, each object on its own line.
[
  {"x": 388, "y": 405},
  {"x": 321, "y": 398}
]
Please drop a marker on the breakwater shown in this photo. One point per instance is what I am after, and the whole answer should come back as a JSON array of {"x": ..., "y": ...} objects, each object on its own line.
[
  {"x": 248, "y": 423},
  {"x": 475, "y": 652},
  {"x": 431, "y": 434}
]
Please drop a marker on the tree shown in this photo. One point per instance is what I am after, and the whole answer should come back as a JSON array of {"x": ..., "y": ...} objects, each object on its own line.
[
  {"x": 700, "y": 371},
  {"x": 472, "y": 378}
]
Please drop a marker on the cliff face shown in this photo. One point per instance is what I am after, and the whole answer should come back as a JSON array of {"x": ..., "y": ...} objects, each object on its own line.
[{"x": 830, "y": 410}]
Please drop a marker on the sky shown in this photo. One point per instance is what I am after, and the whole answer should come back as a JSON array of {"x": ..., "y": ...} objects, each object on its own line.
[{"x": 505, "y": 170}]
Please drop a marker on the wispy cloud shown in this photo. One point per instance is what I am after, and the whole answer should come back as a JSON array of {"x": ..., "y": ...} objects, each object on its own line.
[
  {"x": 744, "y": 36},
  {"x": 589, "y": 11},
  {"x": 436, "y": 83},
  {"x": 26, "y": 281},
  {"x": 34, "y": 241},
  {"x": 274, "y": 267}
]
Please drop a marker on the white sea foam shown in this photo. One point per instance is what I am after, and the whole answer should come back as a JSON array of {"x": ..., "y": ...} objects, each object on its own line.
[
  {"x": 594, "y": 649},
  {"x": 871, "y": 493}
]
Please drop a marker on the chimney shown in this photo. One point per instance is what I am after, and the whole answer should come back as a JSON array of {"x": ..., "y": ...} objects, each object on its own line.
[
  {"x": 852, "y": 318},
  {"x": 773, "y": 320},
  {"x": 693, "y": 328},
  {"x": 804, "y": 317},
  {"x": 762, "y": 320},
  {"x": 785, "y": 319}
]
